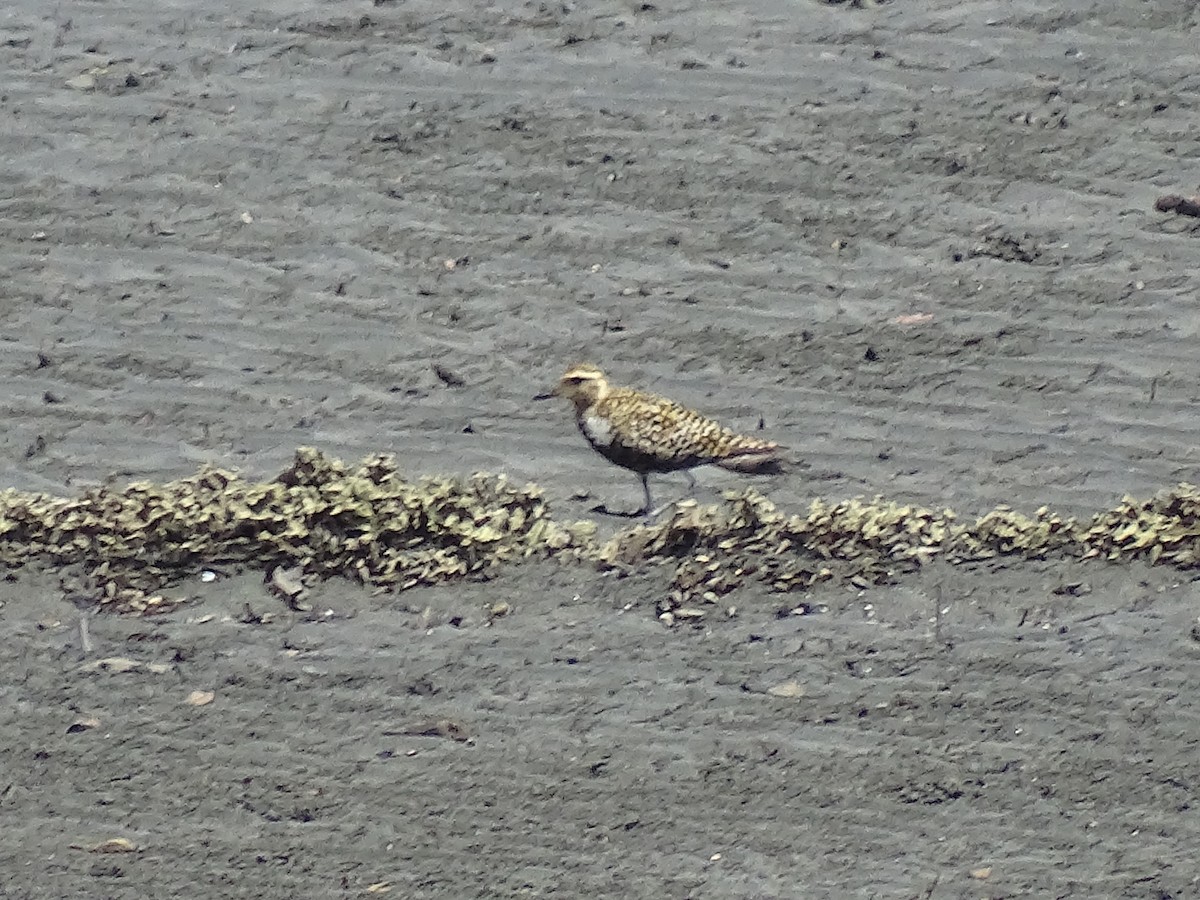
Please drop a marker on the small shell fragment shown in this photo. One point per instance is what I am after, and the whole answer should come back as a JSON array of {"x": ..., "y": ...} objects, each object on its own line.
[{"x": 791, "y": 690}]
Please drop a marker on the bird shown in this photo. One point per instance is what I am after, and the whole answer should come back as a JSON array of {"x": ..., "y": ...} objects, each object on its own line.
[{"x": 647, "y": 434}]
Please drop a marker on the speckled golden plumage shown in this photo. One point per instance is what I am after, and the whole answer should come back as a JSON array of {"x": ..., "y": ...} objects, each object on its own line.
[{"x": 647, "y": 433}]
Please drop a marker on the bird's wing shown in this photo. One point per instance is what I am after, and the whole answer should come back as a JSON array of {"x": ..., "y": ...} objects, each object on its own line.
[{"x": 664, "y": 431}]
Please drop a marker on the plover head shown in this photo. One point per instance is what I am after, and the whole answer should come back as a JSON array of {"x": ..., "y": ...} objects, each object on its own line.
[{"x": 584, "y": 385}]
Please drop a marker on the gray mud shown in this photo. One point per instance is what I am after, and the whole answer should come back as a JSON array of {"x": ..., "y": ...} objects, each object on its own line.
[{"x": 918, "y": 240}]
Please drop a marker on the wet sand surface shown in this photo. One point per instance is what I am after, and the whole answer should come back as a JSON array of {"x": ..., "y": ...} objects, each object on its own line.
[{"x": 918, "y": 241}]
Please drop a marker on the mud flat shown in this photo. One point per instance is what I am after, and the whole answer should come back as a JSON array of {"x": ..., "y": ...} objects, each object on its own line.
[{"x": 918, "y": 240}]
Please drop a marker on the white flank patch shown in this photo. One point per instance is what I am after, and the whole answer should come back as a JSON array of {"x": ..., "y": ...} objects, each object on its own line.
[{"x": 598, "y": 430}]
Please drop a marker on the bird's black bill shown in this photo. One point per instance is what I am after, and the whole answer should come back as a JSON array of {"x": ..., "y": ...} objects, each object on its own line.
[{"x": 549, "y": 395}]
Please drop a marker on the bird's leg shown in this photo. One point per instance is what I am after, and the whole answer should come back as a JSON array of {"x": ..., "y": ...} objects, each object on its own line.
[
  {"x": 646, "y": 509},
  {"x": 691, "y": 494},
  {"x": 647, "y": 505}
]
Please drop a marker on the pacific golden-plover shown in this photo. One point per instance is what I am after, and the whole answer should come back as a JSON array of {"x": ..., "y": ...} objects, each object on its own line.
[{"x": 647, "y": 433}]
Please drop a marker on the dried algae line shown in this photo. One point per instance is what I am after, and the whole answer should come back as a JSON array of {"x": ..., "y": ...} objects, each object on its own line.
[{"x": 369, "y": 523}]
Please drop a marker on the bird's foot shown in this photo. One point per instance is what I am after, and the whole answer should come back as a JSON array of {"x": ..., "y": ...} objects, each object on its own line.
[{"x": 604, "y": 510}]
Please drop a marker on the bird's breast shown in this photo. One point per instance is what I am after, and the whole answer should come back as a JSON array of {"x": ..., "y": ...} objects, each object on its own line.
[{"x": 597, "y": 429}]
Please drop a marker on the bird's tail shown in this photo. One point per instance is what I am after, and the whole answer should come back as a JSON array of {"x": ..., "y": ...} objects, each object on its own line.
[{"x": 754, "y": 459}]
